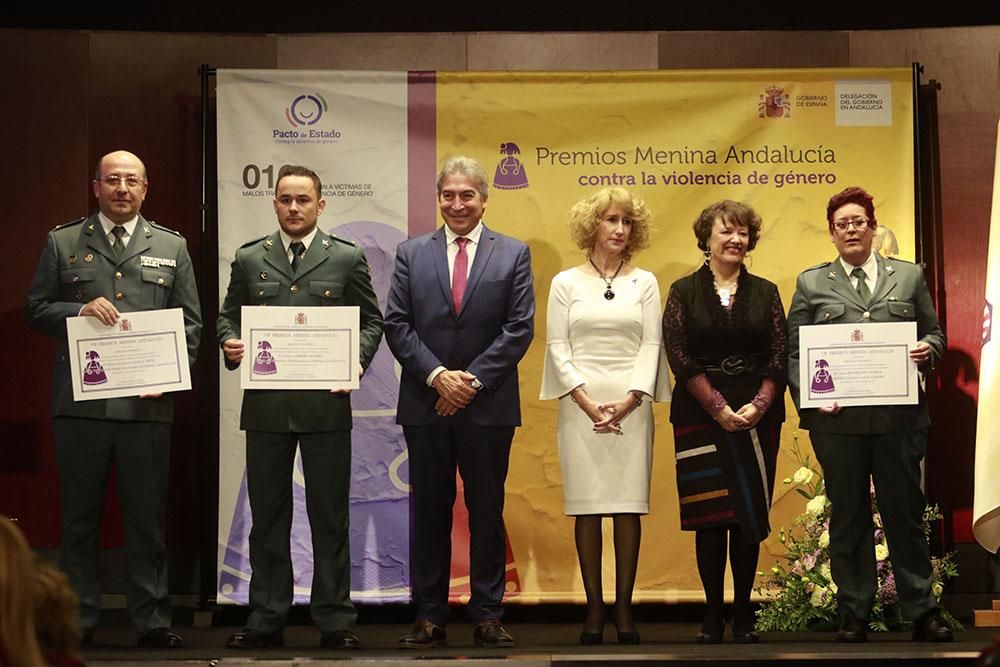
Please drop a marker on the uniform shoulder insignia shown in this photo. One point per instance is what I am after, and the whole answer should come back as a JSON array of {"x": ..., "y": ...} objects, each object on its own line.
[
  {"x": 821, "y": 265},
  {"x": 165, "y": 229},
  {"x": 345, "y": 241},
  {"x": 69, "y": 224},
  {"x": 890, "y": 260},
  {"x": 254, "y": 241}
]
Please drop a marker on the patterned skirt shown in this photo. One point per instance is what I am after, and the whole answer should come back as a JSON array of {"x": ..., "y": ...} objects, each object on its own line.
[{"x": 726, "y": 478}]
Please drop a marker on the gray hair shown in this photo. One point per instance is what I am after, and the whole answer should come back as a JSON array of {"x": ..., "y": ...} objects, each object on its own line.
[{"x": 465, "y": 166}]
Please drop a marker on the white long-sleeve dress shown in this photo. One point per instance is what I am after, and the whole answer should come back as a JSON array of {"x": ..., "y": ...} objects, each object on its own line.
[{"x": 611, "y": 347}]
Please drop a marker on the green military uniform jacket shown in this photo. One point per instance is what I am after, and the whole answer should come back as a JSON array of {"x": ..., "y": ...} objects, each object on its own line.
[
  {"x": 333, "y": 272},
  {"x": 824, "y": 295},
  {"x": 77, "y": 266}
]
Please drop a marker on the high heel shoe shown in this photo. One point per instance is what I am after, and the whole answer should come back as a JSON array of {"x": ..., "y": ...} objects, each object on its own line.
[
  {"x": 591, "y": 638},
  {"x": 628, "y": 637}
]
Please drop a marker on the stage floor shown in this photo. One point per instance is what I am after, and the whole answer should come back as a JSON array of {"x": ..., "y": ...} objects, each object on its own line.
[{"x": 545, "y": 644}]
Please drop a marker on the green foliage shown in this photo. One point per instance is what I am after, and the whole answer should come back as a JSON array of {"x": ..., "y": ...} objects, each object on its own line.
[{"x": 800, "y": 592}]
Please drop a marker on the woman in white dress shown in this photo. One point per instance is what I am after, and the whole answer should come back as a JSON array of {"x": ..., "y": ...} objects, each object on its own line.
[{"x": 604, "y": 361}]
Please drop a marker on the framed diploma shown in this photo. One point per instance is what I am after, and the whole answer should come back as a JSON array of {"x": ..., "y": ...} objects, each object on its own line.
[
  {"x": 857, "y": 364},
  {"x": 290, "y": 347},
  {"x": 145, "y": 352}
]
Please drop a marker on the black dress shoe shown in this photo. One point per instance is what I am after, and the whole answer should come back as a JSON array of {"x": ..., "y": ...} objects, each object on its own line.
[
  {"x": 490, "y": 634},
  {"x": 932, "y": 628},
  {"x": 591, "y": 638},
  {"x": 851, "y": 631},
  {"x": 160, "y": 638},
  {"x": 745, "y": 636},
  {"x": 709, "y": 636},
  {"x": 247, "y": 638},
  {"x": 340, "y": 639},
  {"x": 424, "y": 634}
]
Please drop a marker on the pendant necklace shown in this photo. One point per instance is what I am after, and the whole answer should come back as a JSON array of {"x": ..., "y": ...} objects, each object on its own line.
[
  {"x": 725, "y": 292},
  {"x": 608, "y": 293}
]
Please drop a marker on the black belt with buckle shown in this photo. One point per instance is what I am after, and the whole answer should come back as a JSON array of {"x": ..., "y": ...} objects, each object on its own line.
[{"x": 734, "y": 364}]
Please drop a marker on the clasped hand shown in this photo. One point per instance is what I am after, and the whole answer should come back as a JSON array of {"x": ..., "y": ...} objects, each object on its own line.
[
  {"x": 454, "y": 390},
  {"x": 743, "y": 419}
]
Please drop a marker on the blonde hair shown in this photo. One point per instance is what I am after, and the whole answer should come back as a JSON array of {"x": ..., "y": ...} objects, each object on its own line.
[
  {"x": 17, "y": 621},
  {"x": 586, "y": 213}
]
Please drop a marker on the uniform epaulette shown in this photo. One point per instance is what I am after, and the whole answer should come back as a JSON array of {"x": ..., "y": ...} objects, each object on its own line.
[
  {"x": 69, "y": 224},
  {"x": 821, "y": 265},
  {"x": 347, "y": 241},
  {"x": 253, "y": 241},
  {"x": 898, "y": 259},
  {"x": 165, "y": 229}
]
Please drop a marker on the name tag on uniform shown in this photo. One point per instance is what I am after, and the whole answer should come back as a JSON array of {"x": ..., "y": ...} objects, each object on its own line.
[{"x": 156, "y": 262}]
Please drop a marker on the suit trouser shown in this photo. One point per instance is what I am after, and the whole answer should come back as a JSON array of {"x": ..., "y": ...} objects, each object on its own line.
[
  {"x": 481, "y": 454},
  {"x": 892, "y": 461},
  {"x": 140, "y": 451},
  {"x": 326, "y": 468}
]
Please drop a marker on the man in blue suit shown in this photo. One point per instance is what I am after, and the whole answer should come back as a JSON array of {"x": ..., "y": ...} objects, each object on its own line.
[{"x": 459, "y": 318}]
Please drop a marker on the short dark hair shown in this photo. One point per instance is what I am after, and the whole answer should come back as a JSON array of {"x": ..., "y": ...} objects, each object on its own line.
[
  {"x": 733, "y": 212},
  {"x": 852, "y": 195},
  {"x": 299, "y": 170}
]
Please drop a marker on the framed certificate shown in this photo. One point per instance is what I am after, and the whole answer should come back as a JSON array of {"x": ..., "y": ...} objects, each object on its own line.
[
  {"x": 857, "y": 364},
  {"x": 145, "y": 352},
  {"x": 290, "y": 347}
]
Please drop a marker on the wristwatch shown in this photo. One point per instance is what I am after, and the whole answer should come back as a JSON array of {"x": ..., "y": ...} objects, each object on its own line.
[{"x": 476, "y": 384}]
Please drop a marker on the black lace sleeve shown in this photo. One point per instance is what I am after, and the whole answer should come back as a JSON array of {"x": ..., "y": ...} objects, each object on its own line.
[
  {"x": 675, "y": 338},
  {"x": 777, "y": 358}
]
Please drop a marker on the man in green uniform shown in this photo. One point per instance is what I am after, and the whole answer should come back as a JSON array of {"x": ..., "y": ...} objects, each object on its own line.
[
  {"x": 111, "y": 263},
  {"x": 299, "y": 265}
]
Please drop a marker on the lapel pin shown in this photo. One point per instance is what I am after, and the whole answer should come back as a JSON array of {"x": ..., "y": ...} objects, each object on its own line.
[
  {"x": 326, "y": 243},
  {"x": 90, "y": 226},
  {"x": 269, "y": 243},
  {"x": 89, "y": 257},
  {"x": 146, "y": 230},
  {"x": 832, "y": 274},
  {"x": 888, "y": 269}
]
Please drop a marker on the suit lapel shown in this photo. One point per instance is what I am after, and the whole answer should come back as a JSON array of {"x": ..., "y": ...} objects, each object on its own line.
[
  {"x": 140, "y": 241},
  {"x": 886, "y": 280},
  {"x": 439, "y": 259},
  {"x": 276, "y": 256},
  {"x": 94, "y": 238},
  {"x": 315, "y": 255},
  {"x": 487, "y": 242},
  {"x": 841, "y": 285}
]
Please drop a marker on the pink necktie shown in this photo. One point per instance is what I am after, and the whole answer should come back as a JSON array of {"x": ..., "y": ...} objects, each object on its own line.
[{"x": 460, "y": 273}]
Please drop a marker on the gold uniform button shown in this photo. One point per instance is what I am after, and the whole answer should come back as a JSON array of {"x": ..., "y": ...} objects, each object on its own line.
[
  {"x": 294, "y": 288},
  {"x": 118, "y": 275},
  {"x": 119, "y": 296},
  {"x": 866, "y": 315},
  {"x": 76, "y": 279},
  {"x": 79, "y": 296},
  {"x": 327, "y": 293},
  {"x": 159, "y": 281},
  {"x": 260, "y": 293}
]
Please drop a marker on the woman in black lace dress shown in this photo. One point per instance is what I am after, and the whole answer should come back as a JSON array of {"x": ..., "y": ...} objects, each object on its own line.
[{"x": 726, "y": 339}]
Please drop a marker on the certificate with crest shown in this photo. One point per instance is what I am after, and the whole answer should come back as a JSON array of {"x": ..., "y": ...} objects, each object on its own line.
[
  {"x": 145, "y": 352},
  {"x": 857, "y": 364},
  {"x": 291, "y": 347}
]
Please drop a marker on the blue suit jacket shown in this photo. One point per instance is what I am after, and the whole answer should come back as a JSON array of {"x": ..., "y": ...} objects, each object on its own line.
[{"x": 487, "y": 338}]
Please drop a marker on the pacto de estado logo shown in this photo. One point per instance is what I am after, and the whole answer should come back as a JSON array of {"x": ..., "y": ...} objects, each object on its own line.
[
  {"x": 774, "y": 103},
  {"x": 306, "y": 109}
]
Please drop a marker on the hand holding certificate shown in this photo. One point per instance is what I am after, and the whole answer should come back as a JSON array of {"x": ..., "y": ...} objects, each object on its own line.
[
  {"x": 143, "y": 353},
  {"x": 311, "y": 347},
  {"x": 858, "y": 364}
]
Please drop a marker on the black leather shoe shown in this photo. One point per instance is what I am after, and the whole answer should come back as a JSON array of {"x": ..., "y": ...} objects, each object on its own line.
[
  {"x": 340, "y": 640},
  {"x": 490, "y": 634},
  {"x": 745, "y": 636},
  {"x": 709, "y": 637},
  {"x": 424, "y": 634},
  {"x": 932, "y": 628},
  {"x": 160, "y": 638},
  {"x": 247, "y": 638},
  {"x": 591, "y": 638},
  {"x": 851, "y": 631}
]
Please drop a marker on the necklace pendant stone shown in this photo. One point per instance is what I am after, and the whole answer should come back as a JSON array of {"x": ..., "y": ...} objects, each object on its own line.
[{"x": 609, "y": 294}]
